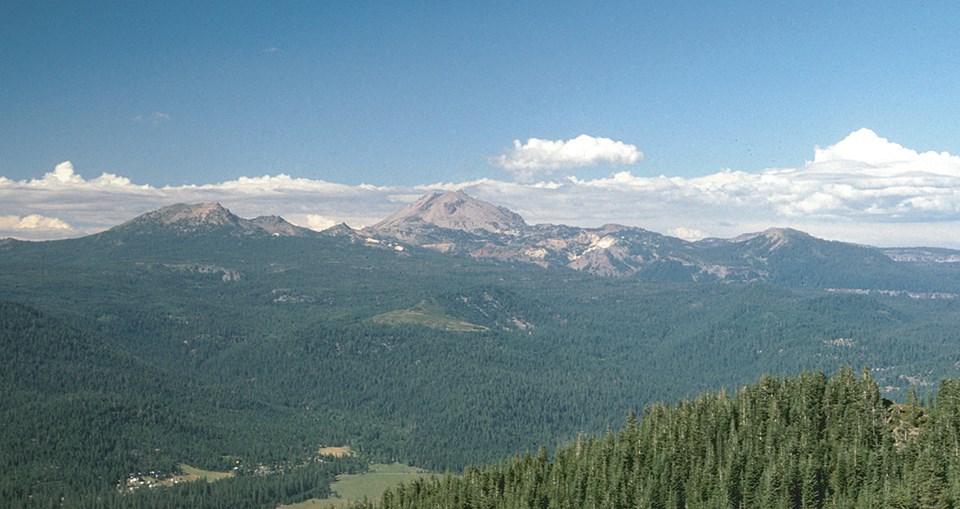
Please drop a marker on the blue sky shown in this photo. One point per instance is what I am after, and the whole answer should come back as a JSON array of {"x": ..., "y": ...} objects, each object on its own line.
[{"x": 409, "y": 94}]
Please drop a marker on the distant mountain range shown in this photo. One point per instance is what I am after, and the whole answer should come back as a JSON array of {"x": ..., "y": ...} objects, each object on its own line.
[
  {"x": 454, "y": 222},
  {"x": 458, "y": 224}
]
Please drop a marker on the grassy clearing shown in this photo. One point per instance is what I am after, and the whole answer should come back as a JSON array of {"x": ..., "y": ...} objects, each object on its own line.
[
  {"x": 336, "y": 452},
  {"x": 190, "y": 474},
  {"x": 428, "y": 315},
  {"x": 208, "y": 475},
  {"x": 371, "y": 485}
]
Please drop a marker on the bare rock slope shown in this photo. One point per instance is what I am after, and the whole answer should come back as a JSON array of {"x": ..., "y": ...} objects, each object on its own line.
[{"x": 455, "y": 222}]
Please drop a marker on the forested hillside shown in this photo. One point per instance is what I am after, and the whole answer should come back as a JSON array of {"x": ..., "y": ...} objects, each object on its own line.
[
  {"x": 250, "y": 350},
  {"x": 780, "y": 443}
]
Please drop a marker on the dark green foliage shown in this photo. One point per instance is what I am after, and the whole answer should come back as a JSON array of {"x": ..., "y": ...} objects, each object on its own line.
[
  {"x": 127, "y": 353},
  {"x": 260, "y": 491},
  {"x": 78, "y": 416},
  {"x": 780, "y": 443}
]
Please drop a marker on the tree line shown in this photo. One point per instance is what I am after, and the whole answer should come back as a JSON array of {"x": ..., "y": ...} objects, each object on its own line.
[{"x": 803, "y": 442}]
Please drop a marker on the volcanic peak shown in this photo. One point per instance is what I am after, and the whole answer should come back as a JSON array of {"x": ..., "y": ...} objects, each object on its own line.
[{"x": 454, "y": 210}]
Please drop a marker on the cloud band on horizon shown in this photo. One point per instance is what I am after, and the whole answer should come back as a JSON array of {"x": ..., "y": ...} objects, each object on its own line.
[{"x": 864, "y": 189}]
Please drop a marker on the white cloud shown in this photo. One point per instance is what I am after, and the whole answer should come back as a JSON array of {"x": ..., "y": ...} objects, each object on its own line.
[
  {"x": 317, "y": 222},
  {"x": 862, "y": 189},
  {"x": 685, "y": 233},
  {"x": 33, "y": 222},
  {"x": 864, "y": 148},
  {"x": 536, "y": 155},
  {"x": 92, "y": 205},
  {"x": 63, "y": 174}
]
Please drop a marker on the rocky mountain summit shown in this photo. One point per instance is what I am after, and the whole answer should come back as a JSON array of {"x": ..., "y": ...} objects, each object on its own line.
[
  {"x": 183, "y": 219},
  {"x": 454, "y": 222},
  {"x": 458, "y": 224},
  {"x": 454, "y": 210}
]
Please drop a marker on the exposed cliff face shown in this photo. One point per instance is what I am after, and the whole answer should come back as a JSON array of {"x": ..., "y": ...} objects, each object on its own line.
[{"x": 454, "y": 222}]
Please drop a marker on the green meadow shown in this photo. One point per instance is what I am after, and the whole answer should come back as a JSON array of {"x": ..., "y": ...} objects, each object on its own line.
[
  {"x": 427, "y": 315},
  {"x": 370, "y": 485}
]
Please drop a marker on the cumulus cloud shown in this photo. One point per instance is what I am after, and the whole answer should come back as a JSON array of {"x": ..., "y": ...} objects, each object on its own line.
[
  {"x": 62, "y": 174},
  {"x": 34, "y": 226},
  {"x": 865, "y": 147},
  {"x": 862, "y": 189},
  {"x": 32, "y": 222},
  {"x": 546, "y": 156},
  {"x": 317, "y": 222}
]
